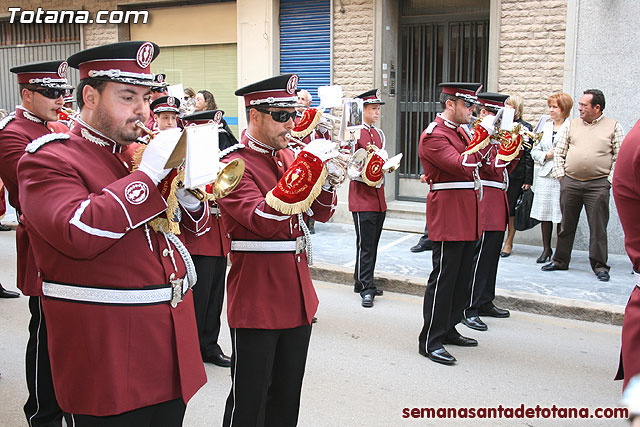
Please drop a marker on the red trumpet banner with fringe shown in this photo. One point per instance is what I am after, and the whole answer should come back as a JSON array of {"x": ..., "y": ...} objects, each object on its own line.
[
  {"x": 299, "y": 186},
  {"x": 372, "y": 173},
  {"x": 307, "y": 123}
]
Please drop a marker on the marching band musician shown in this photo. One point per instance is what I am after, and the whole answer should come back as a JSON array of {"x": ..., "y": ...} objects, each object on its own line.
[
  {"x": 156, "y": 92},
  {"x": 42, "y": 88},
  {"x": 453, "y": 219},
  {"x": 494, "y": 216},
  {"x": 271, "y": 299},
  {"x": 209, "y": 247},
  {"x": 165, "y": 110},
  {"x": 122, "y": 331},
  {"x": 366, "y": 201}
]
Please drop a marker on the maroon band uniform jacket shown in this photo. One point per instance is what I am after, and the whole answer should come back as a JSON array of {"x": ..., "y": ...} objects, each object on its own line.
[
  {"x": 207, "y": 238},
  {"x": 362, "y": 197},
  {"x": 15, "y": 133},
  {"x": 267, "y": 290},
  {"x": 452, "y": 215},
  {"x": 626, "y": 191},
  {"x": 494, "y": 206},
  {"x": 86, "y": 218}
]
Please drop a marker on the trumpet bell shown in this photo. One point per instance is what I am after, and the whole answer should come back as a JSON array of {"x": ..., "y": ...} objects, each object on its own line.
[
  {"x": 392, "y": 164},
  {"x": 228, "y": 178}
]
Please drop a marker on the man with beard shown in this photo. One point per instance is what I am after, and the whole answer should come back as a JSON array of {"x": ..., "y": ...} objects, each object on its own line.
[{"x": 123, "y": 343}]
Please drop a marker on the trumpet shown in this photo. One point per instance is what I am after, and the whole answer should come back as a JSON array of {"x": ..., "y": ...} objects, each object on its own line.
[
  {"x": 228, "y": 178},
  {"x": 65, "y": 113},
  {"x": 534, "y": 139},
  {"x": 341, "y": 167}
]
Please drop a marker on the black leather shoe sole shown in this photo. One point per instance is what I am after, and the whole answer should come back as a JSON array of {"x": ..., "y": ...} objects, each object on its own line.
[
  {"x": 219, "y": 360},
  {"x": 475, "y": 323},
  {"x": 461, "y": 341},
  {"x": 379, "y": 292},
  {"x": 367, "y": 301},
  {"x": 439, "y": 356},
  {"x": 496, "y": 312},
  {"x": 8, "y": 294}
]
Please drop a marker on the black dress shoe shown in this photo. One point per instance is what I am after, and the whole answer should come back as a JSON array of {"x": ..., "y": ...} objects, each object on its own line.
[
  {"x": 545, "y": 257},
  {"x": 420, "y": 247},
  {"x": 474, "y": 322},
  {"x": 494, "y": 311},
  {"x": 379, "y": 292},
  {"x": 367, "y": 301},
  {"x": 8, "y": 294},
  {"x": 219, "y": 360},
  {"x": 461, "y": 341},
  {"x": 4, "y": 227},
  {"x": 439, "y": 355},
  {"x": 551, "y": 267},
  {"x": 505, "y": 254},
  {"x": 314, "y": 320},
  {"x": 603, "y": 276}
]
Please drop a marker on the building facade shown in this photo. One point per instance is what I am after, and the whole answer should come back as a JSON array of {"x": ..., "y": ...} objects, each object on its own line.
[{"x": 403, "y": 47}]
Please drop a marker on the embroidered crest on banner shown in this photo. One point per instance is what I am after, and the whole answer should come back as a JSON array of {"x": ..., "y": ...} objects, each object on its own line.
[
  {"x": 144, "y": 56},
  {"x": 136, "y": 192}
]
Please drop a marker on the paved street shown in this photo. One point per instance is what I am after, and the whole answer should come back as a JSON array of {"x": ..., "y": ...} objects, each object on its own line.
[{"x": 363, "y": 366}]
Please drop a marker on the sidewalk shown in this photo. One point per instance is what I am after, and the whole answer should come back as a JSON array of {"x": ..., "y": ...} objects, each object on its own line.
[{"x": 521, "y": 285}]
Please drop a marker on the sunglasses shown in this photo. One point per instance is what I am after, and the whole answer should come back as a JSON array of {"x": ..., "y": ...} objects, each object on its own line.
[
  {"x": 279, "y": 116},
  {"x": 50, "y": 92},
  {"x": 467, "y": 104},
  {"x": 159, "y": 90}
]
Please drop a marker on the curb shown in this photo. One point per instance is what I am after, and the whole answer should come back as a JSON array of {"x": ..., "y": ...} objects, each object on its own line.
[{"x": 519, "y": 301}]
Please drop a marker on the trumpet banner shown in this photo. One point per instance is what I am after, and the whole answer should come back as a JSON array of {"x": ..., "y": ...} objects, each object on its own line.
[
  {"x": 299, "y": 186},
  {"x": 372, "y": 172},
  {"x": 310, "y": 119},
  {"x": 509, "y": 147}
]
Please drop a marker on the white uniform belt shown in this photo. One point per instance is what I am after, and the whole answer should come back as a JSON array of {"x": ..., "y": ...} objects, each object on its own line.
[
  {"x": 637, "y": 276},
  {"x": 172, "y": 293},
  {"x": 452, "y": 185},
  {"x": 296, "y": 246},
  {"x": 496, "y": 184}
]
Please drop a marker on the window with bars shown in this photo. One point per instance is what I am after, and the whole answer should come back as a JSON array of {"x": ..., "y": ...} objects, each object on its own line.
[{"x": 30, "y": 34}]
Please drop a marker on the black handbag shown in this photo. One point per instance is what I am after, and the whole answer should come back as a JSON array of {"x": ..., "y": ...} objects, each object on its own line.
[{"x": 523, "y": 220}]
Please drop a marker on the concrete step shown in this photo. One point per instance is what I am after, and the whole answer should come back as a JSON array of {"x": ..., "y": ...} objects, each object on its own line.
[
  {"x": 406, "y": 225},
  {"x": 406, "y": 210}
]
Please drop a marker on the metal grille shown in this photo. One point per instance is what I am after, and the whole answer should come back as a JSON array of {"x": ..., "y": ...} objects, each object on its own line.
[
  {"x": 431, "y": 53},
  {"x": 26, "y": 34}
]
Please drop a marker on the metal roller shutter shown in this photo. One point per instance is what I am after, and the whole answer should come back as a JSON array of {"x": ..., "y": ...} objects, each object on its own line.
[{"x": 305, "y": 42}]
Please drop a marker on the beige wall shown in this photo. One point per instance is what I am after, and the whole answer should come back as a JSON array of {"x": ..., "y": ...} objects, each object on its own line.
[
  {"x": 189, "y": 25},
  {"x": 532, "y": 51}
]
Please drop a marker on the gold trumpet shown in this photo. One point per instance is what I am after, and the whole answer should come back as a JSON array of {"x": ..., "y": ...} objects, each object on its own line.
[
  {"x": 342, "y": 166},
  {"x": 65, "y": 113},
  {"x": 534, "y": 139},
  {"x": 228, "y": 178}
]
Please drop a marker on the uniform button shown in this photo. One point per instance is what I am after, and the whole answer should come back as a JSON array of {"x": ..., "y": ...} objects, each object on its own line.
[
  {"x": 295, "y": 225},
  {"x": 172, "y": 276},
  {"x": 165, "y": 252},
  {"x": 279, "y": 163},
  {"x": 228, "y": 236},
  {"x": 298, "y": 258}
]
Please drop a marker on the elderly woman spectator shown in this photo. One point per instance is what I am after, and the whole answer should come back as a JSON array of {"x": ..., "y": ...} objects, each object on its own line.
[
  {"x": 546, "y": 203},
  {"x": 520, "y": 178}
]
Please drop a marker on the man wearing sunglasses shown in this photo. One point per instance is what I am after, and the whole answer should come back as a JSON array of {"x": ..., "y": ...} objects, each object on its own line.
[
  {"x": 270, "y": 297},
  {"x": 452, "y": 219},
  {"x": 42, "y": 87}
]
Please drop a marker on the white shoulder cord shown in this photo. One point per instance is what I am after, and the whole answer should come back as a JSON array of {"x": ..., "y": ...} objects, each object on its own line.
[{"x": 186, "y": 257}]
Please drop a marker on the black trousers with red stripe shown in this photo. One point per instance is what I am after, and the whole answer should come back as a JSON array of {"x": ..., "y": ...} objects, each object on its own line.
[
  {"x": 41, "y": 408},
  {"x": 447, "y": 291},
  {"x": 368, "y": 231},
  {"x": 267, "y": 368},
  {"x": 485, "y": 270}
]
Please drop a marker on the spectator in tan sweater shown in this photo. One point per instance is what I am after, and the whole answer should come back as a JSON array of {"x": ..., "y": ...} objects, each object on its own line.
[{"x": 585, "y": 155}]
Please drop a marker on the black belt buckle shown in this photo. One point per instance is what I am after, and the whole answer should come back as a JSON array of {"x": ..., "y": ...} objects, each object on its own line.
[{"x": 176, "y": 292}]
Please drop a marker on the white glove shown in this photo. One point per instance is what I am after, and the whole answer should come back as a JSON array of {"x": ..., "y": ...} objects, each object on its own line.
[
  {"x": 383, "y": 153},
  {"x": 489, "y": 124},
  {"x": 187, "y": 200},
  {"x": 322, "y": 149},
  {"x": 157, "y": 153}
]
